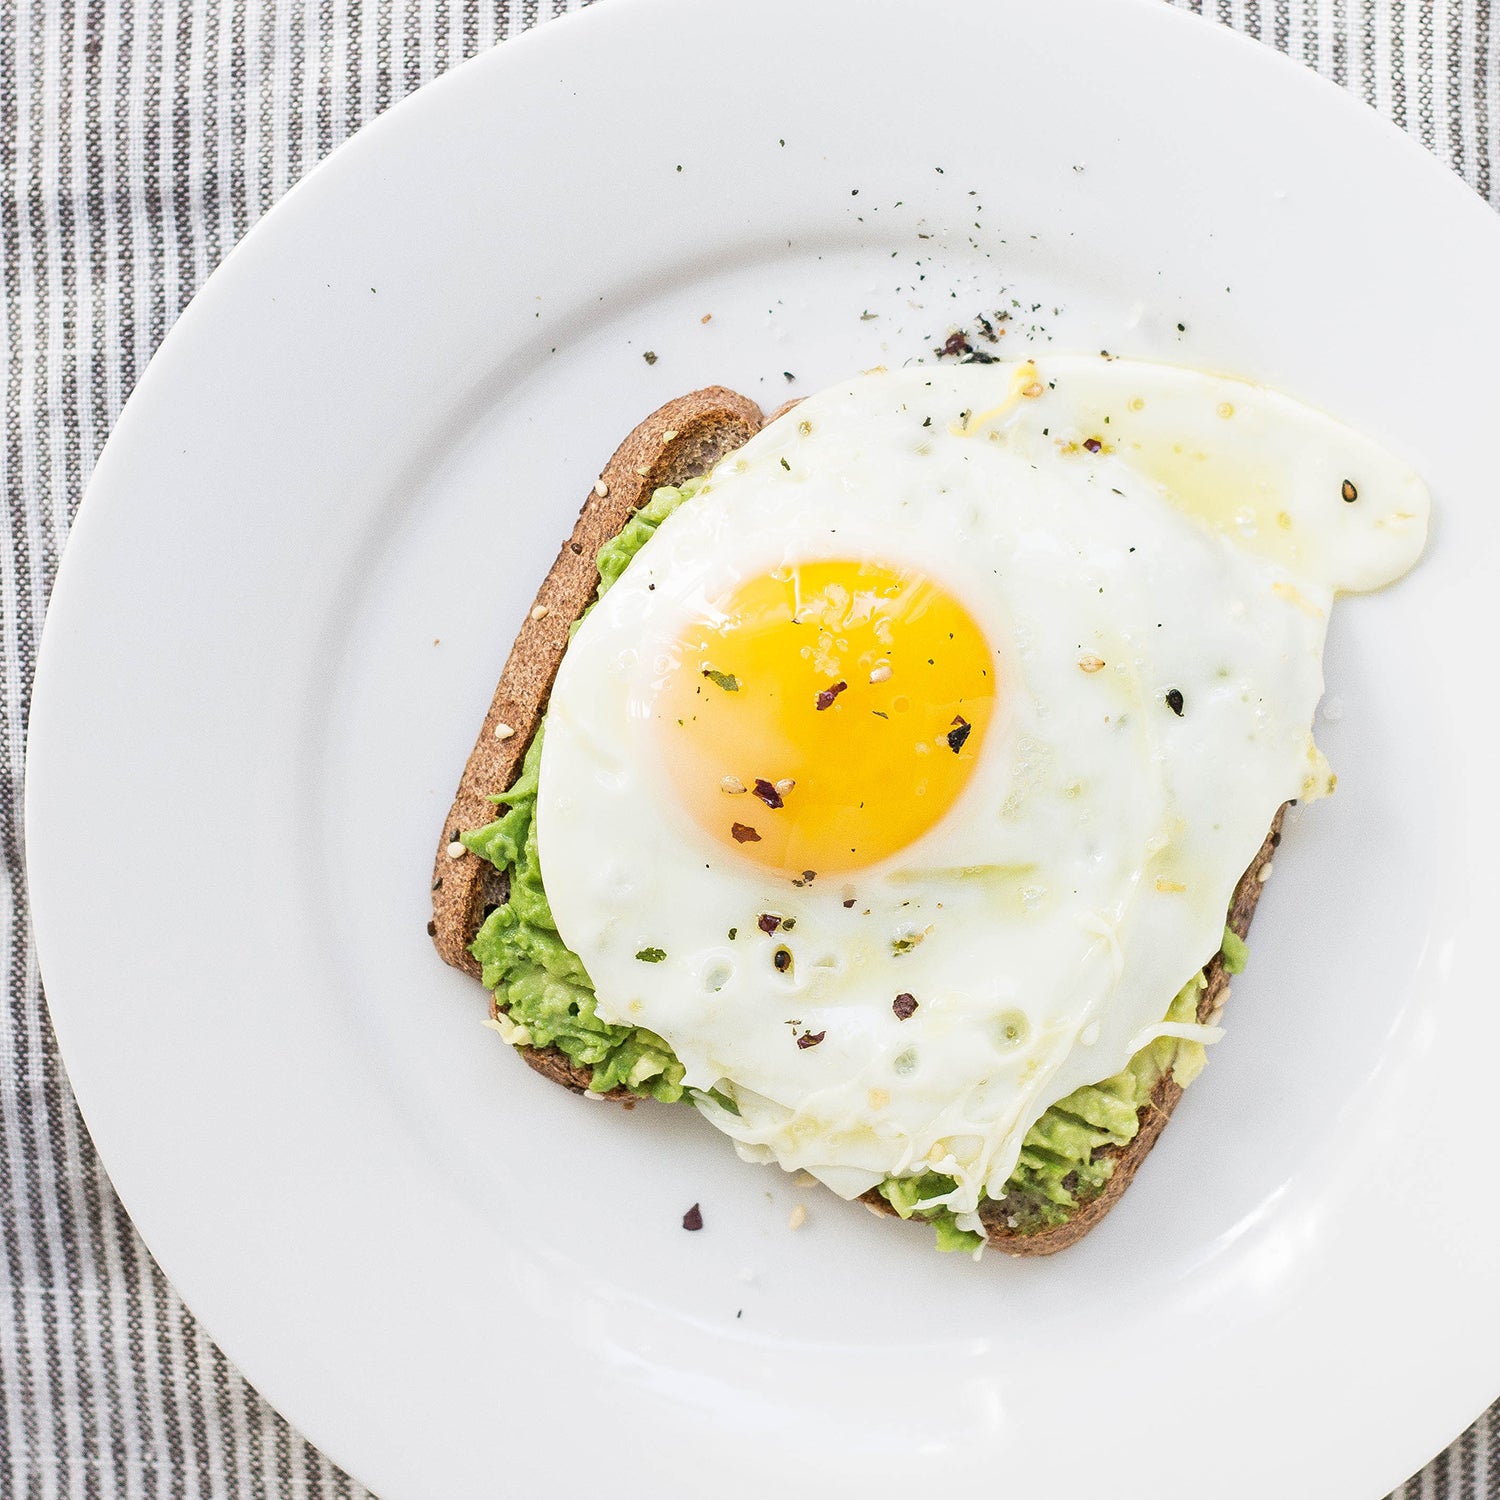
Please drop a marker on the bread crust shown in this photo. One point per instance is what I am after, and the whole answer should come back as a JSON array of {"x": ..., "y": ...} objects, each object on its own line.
[{"x": 677, "y": 442}]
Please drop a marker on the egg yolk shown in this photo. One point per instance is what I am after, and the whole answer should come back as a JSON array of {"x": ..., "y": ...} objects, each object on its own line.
[{"x": 825, "y": 715}]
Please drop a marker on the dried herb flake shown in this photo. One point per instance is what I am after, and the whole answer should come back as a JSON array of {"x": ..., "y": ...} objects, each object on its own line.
[{"x": 767, "y": 793}]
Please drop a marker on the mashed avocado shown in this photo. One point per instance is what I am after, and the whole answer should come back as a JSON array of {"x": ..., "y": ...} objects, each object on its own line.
[{"x": 549, "y": 1001}]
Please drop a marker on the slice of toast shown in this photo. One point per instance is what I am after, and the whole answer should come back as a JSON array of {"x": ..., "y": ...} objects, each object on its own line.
[{"x": 677, "y": 442}]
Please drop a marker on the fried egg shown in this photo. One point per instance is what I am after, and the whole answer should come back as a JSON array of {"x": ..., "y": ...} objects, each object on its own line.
[{"x": 906, "y": 774}]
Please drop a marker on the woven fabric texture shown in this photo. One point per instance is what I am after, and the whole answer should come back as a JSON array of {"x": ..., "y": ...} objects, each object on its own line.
[{"x": 139, "y": 140}]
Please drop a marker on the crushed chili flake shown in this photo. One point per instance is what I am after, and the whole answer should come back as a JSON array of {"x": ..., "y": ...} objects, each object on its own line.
[
  {"x": 850, "y": 901},
  {"x": 693, "y": 1218},
  {"x": 744, "y": 833},
  {"x": 1092, "y": 444},
  {"x": 826, "y": 697},
  {"x": 904, "y": 1005},
  {"x": 958, "y": 735},
  {"x": 768, "y": 793},
  {"x": 767, "y": 922},
  {"x": 810, "y": 1038},
  {"x": 1174, "y": 702},
  {"x": 956, "y": 344}
]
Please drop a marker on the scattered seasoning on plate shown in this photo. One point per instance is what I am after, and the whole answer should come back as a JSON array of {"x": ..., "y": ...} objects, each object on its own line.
[
  {"x": 726, "y": 680},
  {"x": 783, "y": 962},
  {"x": 651, "y": 955},
  {"x": 1174, "y": 702},
  {"x": 744, "y": 833},
  {"x": 693, "y": 1218},
  {"x": 904, "y": 1005},
  {"x": 768, "y": 793},
  {"x": 649, "y": 356},
  {"x": 810, "y": 1039},
  {"x": 826, "y": 697},
  {"x": 768, "y": 922},
  {"x": 959, "y": 734}
]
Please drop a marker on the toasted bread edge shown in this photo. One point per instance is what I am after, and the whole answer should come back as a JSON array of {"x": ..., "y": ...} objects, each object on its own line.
[{"x": 677, "y": 442}]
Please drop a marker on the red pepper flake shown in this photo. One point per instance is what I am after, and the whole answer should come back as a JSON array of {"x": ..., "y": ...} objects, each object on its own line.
[
  {"x": 767, "y": 793},
  {"x": 810, "y": 1039},
  {"x": 1092, "y": 444},
  {"x": 767, "y": 923},
  {"x": 956, "y": 737},
  {"x": 744, "y": 833},
  {"x": 849, "y": 902},
  {"x": 826, "y": 697},
  {"x": 956, "y": 344},
  {"x": 693, "y": 1218},
  {"x": 904, "y": 1006}
]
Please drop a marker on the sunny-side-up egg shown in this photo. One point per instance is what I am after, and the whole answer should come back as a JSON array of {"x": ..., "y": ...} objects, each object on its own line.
[{"x": 906, "y": 775}]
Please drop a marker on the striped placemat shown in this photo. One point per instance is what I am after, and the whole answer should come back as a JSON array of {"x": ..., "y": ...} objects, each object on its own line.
[{"x": 139, "y": 139}]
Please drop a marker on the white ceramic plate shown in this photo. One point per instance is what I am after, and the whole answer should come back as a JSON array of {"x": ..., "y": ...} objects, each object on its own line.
[{"x": 291, "y": 588}]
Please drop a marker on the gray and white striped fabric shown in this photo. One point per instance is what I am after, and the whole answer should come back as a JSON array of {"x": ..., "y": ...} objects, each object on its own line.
[{"x": 139, "y": 140}]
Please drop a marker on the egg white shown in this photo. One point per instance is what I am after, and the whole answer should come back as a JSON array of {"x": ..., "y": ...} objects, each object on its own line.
[{"x": 1188, "y": 531}]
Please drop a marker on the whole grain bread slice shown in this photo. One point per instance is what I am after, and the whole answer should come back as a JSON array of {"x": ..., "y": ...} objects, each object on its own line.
[{"x": 677, "y": 442}]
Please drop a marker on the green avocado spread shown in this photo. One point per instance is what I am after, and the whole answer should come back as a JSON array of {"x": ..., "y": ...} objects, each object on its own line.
[{"x": 546, "y": 1000}]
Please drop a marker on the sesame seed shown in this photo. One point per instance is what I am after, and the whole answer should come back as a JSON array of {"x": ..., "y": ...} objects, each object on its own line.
[
  {"x": 1032, "y": 391},
  {"x": 798, "y": 1218},
  {"x": 785, "y": 785},
  {"x": 670, "y": 435},
  {"x": 733, "y": 785},
  {"x": 1090, "y": 664},
  {"x": 882, "y": 672},
  {"x": 456, "y": 850},
  {"x": 503, "y": 731},
  {"x": 540, "y": 612},
  {"x": 601, "y": 489},
  {"x": 1264, "y": 873},
  {"x": 643, "y": 470}
]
